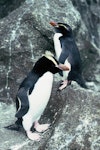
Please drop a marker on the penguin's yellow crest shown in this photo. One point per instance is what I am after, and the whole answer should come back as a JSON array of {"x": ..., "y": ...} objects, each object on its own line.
[{"x": 50, "y": 56}]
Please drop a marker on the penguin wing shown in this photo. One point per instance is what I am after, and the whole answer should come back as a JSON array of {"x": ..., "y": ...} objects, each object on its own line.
[
  {"x": 22, "y": 102},
  {"x": 63, "y": 57},
  {"x": 64, "y": 52}
]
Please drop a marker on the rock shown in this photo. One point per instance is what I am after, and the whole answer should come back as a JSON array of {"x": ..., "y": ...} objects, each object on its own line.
[
  {"x": 25, "y": 34},
  {"x": 78, "y": 127},
  {"x": 74, "y": 117},
  {"x": 18, "y": 140},
  {"x": 7, "y": 6},
  {"x": 88, "y": 42}
]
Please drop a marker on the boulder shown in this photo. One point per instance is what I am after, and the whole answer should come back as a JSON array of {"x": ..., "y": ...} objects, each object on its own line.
[
  {"x": 78, "y": 126},
  {"x": 25, "y": 34},
  {"x": 7, "y": 6},
  {"x": 74, "y": 118}
]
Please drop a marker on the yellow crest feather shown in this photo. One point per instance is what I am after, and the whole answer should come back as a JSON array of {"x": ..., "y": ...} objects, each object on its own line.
[{"x": 50, "y": 56}]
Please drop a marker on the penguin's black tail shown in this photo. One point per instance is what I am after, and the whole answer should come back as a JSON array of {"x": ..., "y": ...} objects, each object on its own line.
[
  {"x": 81, "y": 82},
  {"x": 13, "y": 127}
]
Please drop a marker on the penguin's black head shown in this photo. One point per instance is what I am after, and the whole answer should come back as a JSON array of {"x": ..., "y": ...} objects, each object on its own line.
[
  {"x": 48, "y": 63},
  {"x": 62, "y": 28}
]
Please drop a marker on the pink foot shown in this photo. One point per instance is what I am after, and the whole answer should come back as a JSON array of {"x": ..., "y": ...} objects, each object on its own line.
[
  {"x": 63, "y": 85},
  {"x": 41, "y": 127},
  {"x": 33, "y": 136}
]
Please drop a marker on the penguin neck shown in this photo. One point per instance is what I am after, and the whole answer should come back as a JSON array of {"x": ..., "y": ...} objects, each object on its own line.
[{"x": 57, "y": 44}]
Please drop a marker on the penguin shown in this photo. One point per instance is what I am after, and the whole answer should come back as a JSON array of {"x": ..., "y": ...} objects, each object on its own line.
[
  {"x": 34, "y": 93},
  {"x": 67, "y": 53}
]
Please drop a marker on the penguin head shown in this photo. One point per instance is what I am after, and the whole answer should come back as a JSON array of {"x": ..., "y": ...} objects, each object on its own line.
[
  {"x": 48, "y": 63},
  {"x": 62, "y": 28}
]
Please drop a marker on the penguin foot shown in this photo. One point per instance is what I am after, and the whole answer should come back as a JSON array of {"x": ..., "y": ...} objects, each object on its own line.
[
  {"x": 33, "y": 136},
  {"x": 41, "y": 127},
  {"x": 63, "y": 85}
]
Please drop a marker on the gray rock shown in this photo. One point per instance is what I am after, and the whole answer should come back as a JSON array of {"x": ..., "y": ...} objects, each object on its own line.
[
  {"x": 7, "y": 6},
  {"x": 88, "y": 42},
  {"x": 78, "y": 127},
  {"x": 74, "y": 118},
  {"x": 25, "y": 34}
]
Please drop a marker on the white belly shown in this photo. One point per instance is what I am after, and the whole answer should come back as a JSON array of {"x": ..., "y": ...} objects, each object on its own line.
[{"x": 39, "y": 97}]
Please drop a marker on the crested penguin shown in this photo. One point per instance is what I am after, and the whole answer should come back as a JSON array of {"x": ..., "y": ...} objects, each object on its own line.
[
  {"x": 67, "y": 53},
  {"x": 34, "y": 93}
]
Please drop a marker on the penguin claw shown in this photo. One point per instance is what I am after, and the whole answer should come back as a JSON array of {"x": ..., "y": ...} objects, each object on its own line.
[
  {"x": 63, "y": 85},
  {"x": 33, "y": 136}
]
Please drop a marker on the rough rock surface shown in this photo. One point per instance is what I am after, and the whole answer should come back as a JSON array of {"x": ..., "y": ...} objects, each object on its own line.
[
  {"x": 78, "y": 127},
  {"x": 25, "y": 34},
  {"x": 7, "y": 6},
  {"x": 74, "y": 115}
]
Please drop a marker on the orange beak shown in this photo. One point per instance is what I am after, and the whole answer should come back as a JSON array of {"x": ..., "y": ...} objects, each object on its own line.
[{"x": 53, "y": 23}]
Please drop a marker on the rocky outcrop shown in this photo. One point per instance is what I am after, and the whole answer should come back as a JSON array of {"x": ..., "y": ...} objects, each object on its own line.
[
  {"x": 25, "y": 34},
  {"x": 7, "y": 6},
  {"x": 89, "y": 11},
  {"x": 74, "y": 118},
  {"x": 78, "y": 127}
]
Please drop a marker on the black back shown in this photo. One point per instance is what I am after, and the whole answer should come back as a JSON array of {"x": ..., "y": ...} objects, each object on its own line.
[
  {"x": 42, "y": 66},
  {"x": 71, "y": 53}
]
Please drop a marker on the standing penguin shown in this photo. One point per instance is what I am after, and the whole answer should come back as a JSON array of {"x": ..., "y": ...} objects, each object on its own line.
[
  {"x": 34, "y": 93},
  {"x": 67, "y": 53}
]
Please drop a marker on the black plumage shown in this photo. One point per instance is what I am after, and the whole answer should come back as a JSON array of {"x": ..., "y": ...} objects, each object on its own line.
[
  {"x": 33, "y": 95},
  {"x": 69, "y": 52}
]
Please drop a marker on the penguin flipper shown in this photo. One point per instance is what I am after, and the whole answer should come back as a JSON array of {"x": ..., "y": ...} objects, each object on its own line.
[
  {"x": 62, "y": 60},
  {"x": 64, "y": 53},
  {"x": 22, "y": 103},
  {"x": 63, "y": 57}
]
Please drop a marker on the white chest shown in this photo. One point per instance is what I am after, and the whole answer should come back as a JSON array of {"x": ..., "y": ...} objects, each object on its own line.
[
  {"x": 57, "y": 44},
  {"x": 40, "y": 96}
]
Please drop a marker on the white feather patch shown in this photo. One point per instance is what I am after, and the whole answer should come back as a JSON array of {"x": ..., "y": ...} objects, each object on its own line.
[
  {"x": 57, "y": 44},
  {"x": 50, "y": 56},
  {"x": 38, "y": 99}
]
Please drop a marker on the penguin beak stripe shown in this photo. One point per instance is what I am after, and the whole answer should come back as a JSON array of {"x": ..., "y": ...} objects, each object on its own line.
[
  {"x": 54, "y": 24},
  {"x": 63, "y": 67}
]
